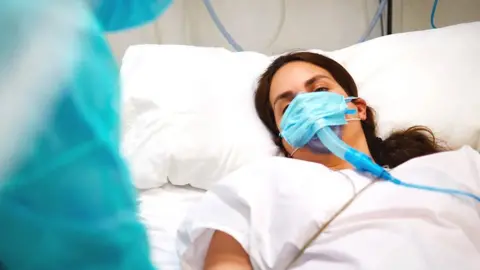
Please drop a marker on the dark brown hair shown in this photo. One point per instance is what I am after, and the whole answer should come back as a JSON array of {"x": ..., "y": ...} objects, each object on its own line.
[{"x": 399, "y": 147}]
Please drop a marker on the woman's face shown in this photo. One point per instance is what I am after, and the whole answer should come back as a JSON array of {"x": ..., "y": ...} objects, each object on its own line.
[{"x": 302, "y": 77}]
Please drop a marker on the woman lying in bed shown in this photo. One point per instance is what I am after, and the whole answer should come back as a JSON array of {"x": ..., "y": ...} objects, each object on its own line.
[{"x": 286, "y": 213}]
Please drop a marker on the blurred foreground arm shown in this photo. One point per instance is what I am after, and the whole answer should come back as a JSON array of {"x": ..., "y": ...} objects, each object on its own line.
[{"x": 67, "y": 200}]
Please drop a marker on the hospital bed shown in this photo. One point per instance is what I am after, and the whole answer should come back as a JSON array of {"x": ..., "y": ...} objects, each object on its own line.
[{"x": 189, "y": 117}]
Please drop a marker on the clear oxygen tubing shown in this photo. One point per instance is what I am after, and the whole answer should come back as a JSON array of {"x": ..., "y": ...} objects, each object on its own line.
[
  {"x": 237, "y": 47},
  {"x": 221, "y": 27},
  {"x": 432, "y": 15},
  {"x": 223, "y": 30},
  {"x": 342, "y": 150},
  {"x": 363, "y": 162},
  {"x": 373, "y": 23}
]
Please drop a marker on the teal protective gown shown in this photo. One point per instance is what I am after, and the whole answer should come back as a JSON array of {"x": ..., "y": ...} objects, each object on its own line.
[{"x": 66, "y": 195}]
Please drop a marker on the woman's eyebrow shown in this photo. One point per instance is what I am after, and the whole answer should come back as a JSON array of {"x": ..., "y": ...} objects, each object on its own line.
[
  {"x": 289, "y": 95},
  {"x": 308, "y": 83}
]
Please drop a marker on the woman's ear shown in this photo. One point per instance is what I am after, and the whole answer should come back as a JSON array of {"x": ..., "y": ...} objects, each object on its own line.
[{"x": 361, "y": 105}]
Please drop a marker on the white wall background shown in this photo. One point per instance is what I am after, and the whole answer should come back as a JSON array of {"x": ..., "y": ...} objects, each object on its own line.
[{"x": 276, "y": 26}]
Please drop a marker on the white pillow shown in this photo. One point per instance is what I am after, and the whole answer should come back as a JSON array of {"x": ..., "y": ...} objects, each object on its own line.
[
  {"x": 429, "y": 78},
  {"x": 190, "y": 117}
]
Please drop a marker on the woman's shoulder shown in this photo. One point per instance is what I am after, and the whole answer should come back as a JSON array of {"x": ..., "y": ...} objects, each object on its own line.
[
  {"x": 461, "y": 166},
  {"x": 457, "y": 159}
]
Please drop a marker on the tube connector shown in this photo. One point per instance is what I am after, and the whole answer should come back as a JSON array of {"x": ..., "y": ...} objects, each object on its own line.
[{"x": 363, "y": 162}]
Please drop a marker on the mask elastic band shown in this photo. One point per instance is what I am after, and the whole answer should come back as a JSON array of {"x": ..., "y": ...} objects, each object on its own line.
[
  {"x": 354, "y": 119},
  {"x": 293, "y": 152}
]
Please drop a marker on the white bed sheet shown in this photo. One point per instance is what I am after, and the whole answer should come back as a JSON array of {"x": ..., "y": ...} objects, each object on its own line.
[{"x": 162, "y": 210}]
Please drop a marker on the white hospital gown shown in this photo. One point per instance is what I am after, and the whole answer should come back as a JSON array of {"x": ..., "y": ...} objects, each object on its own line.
[{"x": 273, "y": 207}]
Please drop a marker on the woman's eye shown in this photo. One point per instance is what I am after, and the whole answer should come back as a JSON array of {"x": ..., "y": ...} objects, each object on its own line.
[
  {"x": 284, "y": 109},
  {"x": 320, "y": 89}
]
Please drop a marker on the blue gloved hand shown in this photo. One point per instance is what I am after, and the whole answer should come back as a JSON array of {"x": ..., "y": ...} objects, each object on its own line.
[{"x": 129, "y": 13}]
